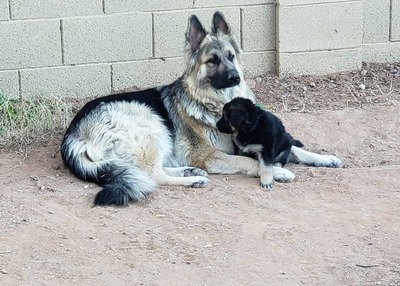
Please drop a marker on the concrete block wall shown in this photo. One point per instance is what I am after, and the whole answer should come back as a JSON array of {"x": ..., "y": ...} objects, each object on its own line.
[
  {"x": 325, "y": 36},
  {"x": 381, "y": 30},
  {"x": 95, "y": 47},
  {"x": 317, "y": 37}
]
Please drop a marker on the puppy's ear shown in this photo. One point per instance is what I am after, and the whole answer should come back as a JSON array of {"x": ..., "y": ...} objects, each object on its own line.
[
  {"x": 195, "y": 33},
  {"x": 253, "y": 115},
  {"x": 219, "y": 24},
  {"x": 237, "y": 118}
]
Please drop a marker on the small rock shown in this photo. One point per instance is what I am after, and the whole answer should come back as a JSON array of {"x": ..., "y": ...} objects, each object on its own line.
[
  {"x": 304, "y": 88},
  {"x": 331, "y": 85},
  {"x": 258, "y": 79},
  {"x": 34, "y": 178},
  {"x": 3, "y": 271},
  {"x": 251, "y": 83},
  {"x": 312, "y": 84},
  {"x": 56, "y": 167},
  {"x": 361, "y": 86},
  {"x": 364, "y": 72}
]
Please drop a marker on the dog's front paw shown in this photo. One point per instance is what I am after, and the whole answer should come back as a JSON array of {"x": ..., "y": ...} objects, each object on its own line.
[
  {"x": 199, "y": 182},
  {"x": 267, "y": 185},
  {"x": 328, "y": 161},
  {"x": 191, "y": 172}
]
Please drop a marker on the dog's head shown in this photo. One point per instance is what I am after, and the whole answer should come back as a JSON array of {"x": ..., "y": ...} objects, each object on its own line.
[
  {"x": 240, "y": 115},
  {"x": 214, "y": 57}
]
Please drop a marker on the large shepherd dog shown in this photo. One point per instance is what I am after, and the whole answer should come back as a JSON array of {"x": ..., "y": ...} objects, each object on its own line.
[{"x": 129, "y": 143}]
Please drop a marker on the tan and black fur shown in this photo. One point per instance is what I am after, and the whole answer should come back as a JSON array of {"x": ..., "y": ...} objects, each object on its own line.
[
  {"x": 129, "y": 143},
  {"x": 257, "y": 132}
]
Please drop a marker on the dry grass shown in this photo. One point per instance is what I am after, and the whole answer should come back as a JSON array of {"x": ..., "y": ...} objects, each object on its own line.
[{"x": 25, "y": 121}]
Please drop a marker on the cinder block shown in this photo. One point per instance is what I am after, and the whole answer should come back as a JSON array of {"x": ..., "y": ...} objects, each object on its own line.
[
  {"x": 147, "y": 73},
  {"x": 307, "y": 2},
  {"x": 9, "y": 85},
  {"x": 30, "y": 44},
  {"x": 68, "y": 81},
  {"x": 376, "y": 14},
  {"x": 221, "y": 3},
  {"x": 320, "y": 27},
  {"x": 381, "y": 52},
  {"x": 4, "y": 10},
  {"x": 259, "y": 63},
  {"x": 395, "y": 28},
  {"x": 258, "y": 28},
  {"x": 118, "y": 37},
  {"x": 319, "y": 62},
  {"x": 170, "y": 28},
  {"x": 31, "y": 9},
  {"x": 117, "y": 6}
]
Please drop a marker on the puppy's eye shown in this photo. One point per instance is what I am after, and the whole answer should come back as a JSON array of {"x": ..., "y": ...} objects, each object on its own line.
[
  {"x": 214, "y": 60},
  {"x": 231, "y": 56}
]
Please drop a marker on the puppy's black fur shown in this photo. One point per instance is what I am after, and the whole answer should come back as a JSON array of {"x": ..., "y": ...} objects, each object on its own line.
[{"x": 260, "y": 132}]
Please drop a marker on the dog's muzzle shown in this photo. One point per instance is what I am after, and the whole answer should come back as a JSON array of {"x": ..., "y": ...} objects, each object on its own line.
[
  {"x": 233, "y": 77},
  {"x": 225, "y": 79}
]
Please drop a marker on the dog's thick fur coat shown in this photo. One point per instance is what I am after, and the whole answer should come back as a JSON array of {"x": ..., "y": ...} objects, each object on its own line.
[
  {"x": 131, "y": 142},
  {"x": 259, "y": 132}
]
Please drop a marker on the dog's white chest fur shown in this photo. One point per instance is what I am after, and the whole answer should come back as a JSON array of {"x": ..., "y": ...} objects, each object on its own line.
[{"x": 248, "y": 148}]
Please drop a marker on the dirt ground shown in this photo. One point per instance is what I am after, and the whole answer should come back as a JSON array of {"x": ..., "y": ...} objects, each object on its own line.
[{"x": 327, "y": 227}]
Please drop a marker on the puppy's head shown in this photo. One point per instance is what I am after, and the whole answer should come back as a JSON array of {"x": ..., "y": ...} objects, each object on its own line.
[{"x": 240, "y": 115}]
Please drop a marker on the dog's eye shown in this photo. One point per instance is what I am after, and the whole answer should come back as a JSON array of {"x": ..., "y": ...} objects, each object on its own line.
[
  {"x": 213, "y": 60},
  {"x": 231, "y": 56}
]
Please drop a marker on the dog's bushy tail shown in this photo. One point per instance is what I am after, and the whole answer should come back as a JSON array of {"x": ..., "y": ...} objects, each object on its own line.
[{"x": 121, "y": 181}]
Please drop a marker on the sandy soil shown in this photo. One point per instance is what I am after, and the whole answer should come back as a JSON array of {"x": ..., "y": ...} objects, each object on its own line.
[{"x": 328, "y": 227}]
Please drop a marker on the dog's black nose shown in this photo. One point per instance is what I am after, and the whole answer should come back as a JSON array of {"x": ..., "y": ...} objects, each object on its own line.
[{"x": 233, "y": 77}]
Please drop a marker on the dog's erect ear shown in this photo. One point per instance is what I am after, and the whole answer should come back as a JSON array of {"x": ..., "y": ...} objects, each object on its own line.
[
  {"x": 219, "y": 24},
  {"x": 195, "y": 33}
]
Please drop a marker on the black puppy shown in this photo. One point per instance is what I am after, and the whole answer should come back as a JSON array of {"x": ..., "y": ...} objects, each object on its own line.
[{"x": 257, "y": 131}]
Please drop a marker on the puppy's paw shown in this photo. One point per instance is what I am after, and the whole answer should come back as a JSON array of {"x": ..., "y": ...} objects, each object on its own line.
[
  {"x": 267, "y": 185},
  {"x": 191, "y": 172},
  {"x": 199, "y": 182},
  {"x": 282, "y": 175}
]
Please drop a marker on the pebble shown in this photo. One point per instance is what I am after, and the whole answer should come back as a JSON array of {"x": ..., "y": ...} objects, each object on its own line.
[
  {"x": 3, "y": 271},
  {"x": 56, "y": 167},
  {"x": 251, "y": 83},
  {"x": 304, "y": 88},
  {"x": 312, "y": 84},
  {"x": 364, "y": 72},
  {"x": 258, "y": 79},
  {"x": 331, "y": 85},
  {"x": 361, "y": 86}
]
